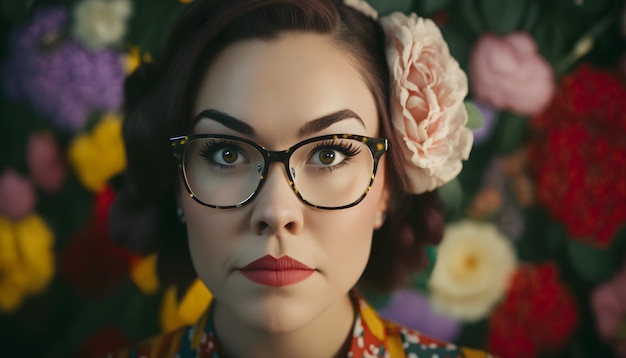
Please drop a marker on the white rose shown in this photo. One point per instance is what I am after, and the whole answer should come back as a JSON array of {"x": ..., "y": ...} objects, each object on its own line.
[
  {"x": 100, "y": 23},
  {"x": 475, "y": 263}
]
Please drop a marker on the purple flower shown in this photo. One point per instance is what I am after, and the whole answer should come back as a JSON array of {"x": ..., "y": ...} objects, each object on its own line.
[
  {"x": 412, "y": 309},
  {"x": 61, "y": 80},
  {"x": 489, "y": 120}
]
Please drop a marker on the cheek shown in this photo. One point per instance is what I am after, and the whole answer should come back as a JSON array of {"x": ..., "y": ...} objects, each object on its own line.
[
  {"x": 346, "y": 235},
  {"x": 210, "y": 235},
  {"x": 207, "y": 226}
]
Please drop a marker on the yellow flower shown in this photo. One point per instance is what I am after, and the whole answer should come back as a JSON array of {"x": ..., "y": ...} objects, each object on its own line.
[
  {"x": 474, "y": 265},
  {"x": 100, "y": 155},
  {"x": 178, "y": 314},
  {"x": 11, "y": 295},
  {"x": 8, "y": 247},
  {"x": 133, "y": 58},
  {"x": 36, "y": 252},
  {"x": 26, "y": 259},
  {"x": 143, "y": 274}
]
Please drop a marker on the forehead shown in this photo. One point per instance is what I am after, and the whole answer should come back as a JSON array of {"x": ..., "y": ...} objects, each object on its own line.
[{"x": 277, "y": 86}]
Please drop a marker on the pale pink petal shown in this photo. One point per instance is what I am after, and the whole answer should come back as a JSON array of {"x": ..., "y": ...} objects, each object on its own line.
[
  {"x": 509, "y": 73},
  {"x": 45, "y": 162},
  {"x": 17, "y": 195}
]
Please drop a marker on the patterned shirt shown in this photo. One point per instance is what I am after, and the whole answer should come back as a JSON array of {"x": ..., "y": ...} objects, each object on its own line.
[{"x": 372, "y": 337}]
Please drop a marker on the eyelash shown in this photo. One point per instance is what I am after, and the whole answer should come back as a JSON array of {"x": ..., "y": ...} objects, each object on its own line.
[
  {"x": 349, "y": 150},
  {"x": 211, "y": 147}
]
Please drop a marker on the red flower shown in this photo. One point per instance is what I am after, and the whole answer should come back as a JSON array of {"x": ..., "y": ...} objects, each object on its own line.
[
  {"x": 92, "y": 262},
  {"x": 104, "y": 199},
  {"x": 579, "y": 155},
  {"x": 538, "y": 314},
  {"x": 104, "y": 341}
]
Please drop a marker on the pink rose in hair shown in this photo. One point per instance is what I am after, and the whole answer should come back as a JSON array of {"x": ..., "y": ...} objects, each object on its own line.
[
  {"x": 428, "y": 88},
  {"x": 508, "y": 73},
  {"x": 609, "y": 304},
  {"x": 17, "y": 195},
  {"x": 45, "y": 162}
]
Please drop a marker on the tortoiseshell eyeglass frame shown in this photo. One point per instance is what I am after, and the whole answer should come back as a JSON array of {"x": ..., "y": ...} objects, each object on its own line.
[{"x": 377, "y": 146}]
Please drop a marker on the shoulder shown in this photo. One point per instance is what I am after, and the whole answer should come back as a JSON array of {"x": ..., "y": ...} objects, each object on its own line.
[
  {"x": 405, "y": 342},
  {"x": 400, "y": 341},
  {"x": 194, "y": 340}
]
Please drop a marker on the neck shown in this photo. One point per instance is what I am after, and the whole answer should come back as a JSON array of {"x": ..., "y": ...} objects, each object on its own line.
[{"x": 327, "y": 335}]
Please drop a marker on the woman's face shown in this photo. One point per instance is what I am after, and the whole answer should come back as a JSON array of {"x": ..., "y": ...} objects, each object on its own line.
[{"x": 276, "y": 88}]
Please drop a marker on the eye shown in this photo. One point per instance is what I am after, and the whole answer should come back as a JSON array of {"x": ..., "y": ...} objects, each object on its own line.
[
  {"x": 223, "y": 154},
  {"x": 332, "y": 154},
  {"x": 327, "y": 156},
  {"x": 226, "y": 155}
]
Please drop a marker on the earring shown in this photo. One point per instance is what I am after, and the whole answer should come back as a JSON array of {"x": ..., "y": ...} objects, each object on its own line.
[{"x": 181, "y": 215}]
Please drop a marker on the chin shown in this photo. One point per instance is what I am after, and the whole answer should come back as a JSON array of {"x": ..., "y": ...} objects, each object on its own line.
[{"x": 276, "y": 314}]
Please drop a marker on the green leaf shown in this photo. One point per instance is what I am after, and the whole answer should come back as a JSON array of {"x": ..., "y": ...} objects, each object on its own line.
[
  {"x": 385, "y": 7},
  {"x": 151, "y": 23},
  {"x": 475, "y": 117},
  {"x": 591, "y": 263},
  {"x": 15, "y": 9},
  {"x": 429, "y": 7},
  {"x": 502, "y": 16},
  {"x": 532, "y": 15},
  {"x": 421, "y": 280},
  {"x": 141, "y": 315},
  {"x": 376, "y": 299},
  {"x": 555, "y": 239},
  {"x": 452, "y": 196},
  {"x": 17, "y": 124},
  {"x": 460, "y": 46},
  {"x": 510, "y": 132},
  {"x": 470, "y": 14},
  {"x": 96, "y": 313},
  {"x": 587, "y": 8}
]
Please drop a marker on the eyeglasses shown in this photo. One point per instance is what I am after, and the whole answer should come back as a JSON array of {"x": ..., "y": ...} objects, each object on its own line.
[{"x": 327, "y": 172}]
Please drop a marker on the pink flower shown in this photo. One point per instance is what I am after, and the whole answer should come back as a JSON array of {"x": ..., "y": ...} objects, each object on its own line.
[
  {"x": 427, "y": 109},
  {"x": 45, "y": 162},
  {"x": 609, "y": 304},
  {"x": 17, "y": 195},
  {"x": 508, "y": 73}
]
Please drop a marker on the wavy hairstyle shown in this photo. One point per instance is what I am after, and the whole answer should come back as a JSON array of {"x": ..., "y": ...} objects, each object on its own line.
[{"x": 159, "y": 99}]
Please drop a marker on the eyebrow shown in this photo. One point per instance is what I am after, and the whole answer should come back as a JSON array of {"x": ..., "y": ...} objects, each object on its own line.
[
  {"x": 311, "y": 127},
  {"x": 319, "y": 124},
  {"x": 226, "y": 120}
]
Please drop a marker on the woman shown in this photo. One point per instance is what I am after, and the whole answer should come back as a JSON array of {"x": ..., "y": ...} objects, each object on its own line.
[{"x": 262, "y": 156}]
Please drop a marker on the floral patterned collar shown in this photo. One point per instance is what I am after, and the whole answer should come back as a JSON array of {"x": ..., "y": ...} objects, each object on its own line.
[
  {"x": 372, "y": 337},
  {"x": 368, "y": 334}
]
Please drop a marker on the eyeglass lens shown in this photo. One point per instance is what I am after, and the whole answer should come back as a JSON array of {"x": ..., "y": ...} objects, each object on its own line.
[{"x": 328, "y": 173}]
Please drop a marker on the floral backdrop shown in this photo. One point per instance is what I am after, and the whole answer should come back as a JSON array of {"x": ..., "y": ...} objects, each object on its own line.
[{"x": 533, "y": 260}]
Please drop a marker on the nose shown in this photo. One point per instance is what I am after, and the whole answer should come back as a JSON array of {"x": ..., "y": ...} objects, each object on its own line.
[{"x": 276, "y": 208}]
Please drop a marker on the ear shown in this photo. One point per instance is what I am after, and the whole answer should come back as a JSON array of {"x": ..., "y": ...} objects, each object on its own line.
[{"x": 381, "y": 210}]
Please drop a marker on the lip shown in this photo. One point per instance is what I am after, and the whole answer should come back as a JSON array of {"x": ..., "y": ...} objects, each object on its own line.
[{"x": 270, "y": 271}]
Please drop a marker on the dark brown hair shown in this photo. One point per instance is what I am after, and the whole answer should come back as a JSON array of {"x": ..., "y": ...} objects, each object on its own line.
[{"x": 159, "y": 98}]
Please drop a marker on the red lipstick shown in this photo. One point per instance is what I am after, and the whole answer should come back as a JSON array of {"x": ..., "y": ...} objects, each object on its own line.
[{"x": 270, "y": 271}]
